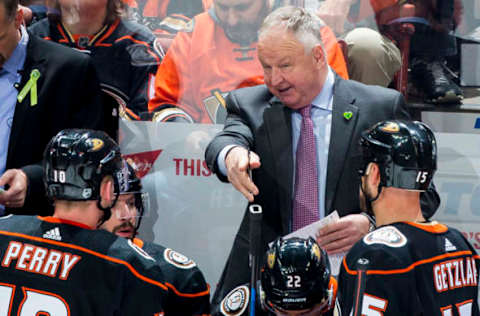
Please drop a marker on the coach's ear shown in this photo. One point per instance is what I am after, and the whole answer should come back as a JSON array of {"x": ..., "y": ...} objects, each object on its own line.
[{"x": 319, "y": 56}]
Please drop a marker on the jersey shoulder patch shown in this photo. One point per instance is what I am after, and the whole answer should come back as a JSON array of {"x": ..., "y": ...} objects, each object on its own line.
[
  {"x": 389, "y": 236},
  {"x": 177, "y": 259},
  {"x": 236, "y": 302}
]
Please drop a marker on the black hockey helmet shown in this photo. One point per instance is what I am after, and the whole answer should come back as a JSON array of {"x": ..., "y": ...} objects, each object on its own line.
[
  {"x": 296, "y": 275},
  {"x": 133, "y": 185},
  {"x": 405, "y": 151},
  {"x": 75, "y": 162}
]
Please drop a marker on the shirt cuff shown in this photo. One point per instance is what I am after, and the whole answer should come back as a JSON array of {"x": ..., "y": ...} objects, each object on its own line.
[{"x": 222, "y": 167}]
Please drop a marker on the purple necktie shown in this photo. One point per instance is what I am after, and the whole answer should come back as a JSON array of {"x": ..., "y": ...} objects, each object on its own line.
[{"x": 305, "y": 203}]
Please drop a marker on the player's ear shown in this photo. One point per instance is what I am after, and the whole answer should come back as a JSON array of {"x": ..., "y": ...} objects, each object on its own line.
[
  {"x": 107, "y": 191},
  {"x": 374, "y": 171},
  {"x": 369, "y": 168}
]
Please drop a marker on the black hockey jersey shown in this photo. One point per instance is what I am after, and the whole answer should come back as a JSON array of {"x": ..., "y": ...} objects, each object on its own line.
[
  {"x": 56, "y": 267},
  {"x": 188, "y": 293},
  {"x": 410, "y": 269},
  {"x": 124, "y": 56}
]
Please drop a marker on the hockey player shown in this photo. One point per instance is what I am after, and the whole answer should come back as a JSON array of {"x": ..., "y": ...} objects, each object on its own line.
[
  {"x": 295, "y": 280},
  {"x": 217, "y": 53},
  {"x": 122, "y": 51},
  {"x": 61, "y": 265},
  {"x": 188, "y": 293},
  {"x": 407, "y": 266}
]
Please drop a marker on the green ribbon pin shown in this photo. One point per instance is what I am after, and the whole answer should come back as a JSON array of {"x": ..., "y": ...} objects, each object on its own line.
[
  {"x": 30, "y": 86},
  {"x": 348, "y": 115}
]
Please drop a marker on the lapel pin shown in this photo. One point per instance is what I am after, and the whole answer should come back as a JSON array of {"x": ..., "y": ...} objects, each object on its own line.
[
  {"x": 348, "y": 115},
  {"x": 30, "y": 86}
]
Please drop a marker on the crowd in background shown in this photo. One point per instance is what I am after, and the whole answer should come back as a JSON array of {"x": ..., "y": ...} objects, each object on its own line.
[{"x": 179, "y": 61}]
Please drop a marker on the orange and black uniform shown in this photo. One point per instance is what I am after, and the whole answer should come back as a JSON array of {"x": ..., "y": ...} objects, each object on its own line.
[
  {"x": 188, "y": 293},
  {"x": 123, "y": 55},
  {"x": 202, "y": 65},
  {"x": 410, "y": 269},
  {"x": 55, "y": 267}
]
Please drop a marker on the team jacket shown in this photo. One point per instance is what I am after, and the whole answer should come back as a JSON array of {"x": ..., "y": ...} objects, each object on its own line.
[
  {"x": 124, "y": 58},
  {"x": 202, "y": 65},
  {"x": 56, "y": 267},
  {"x": 410, "y": 269},
  {"x": 236, "y": 303},
  {"x": 188, "y": 293}
]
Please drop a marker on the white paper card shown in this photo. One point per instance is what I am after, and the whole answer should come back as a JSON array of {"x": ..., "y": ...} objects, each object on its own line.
[{"x": 311, "y": 231}]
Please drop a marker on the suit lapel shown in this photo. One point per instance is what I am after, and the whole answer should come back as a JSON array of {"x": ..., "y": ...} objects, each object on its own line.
[
  {"x": 278, "y": 122},
  {"x": 344, "y": 120},
  {"x": 32, "y": 61}
]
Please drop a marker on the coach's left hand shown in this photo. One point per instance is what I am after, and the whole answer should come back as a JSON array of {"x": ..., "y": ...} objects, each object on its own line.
[
  {"x": 342, "y": 235},
  {"x": 17, "y": 181}
]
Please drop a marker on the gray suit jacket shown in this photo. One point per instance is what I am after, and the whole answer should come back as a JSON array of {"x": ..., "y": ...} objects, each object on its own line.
[{"x": 259, "y": 121}]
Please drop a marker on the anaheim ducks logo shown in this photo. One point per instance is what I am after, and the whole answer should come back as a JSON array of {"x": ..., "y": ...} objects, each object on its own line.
[
  {"x": 178, "y": 260},
  {"x": 390, "y": 127},
  {"x": 387, "y": 235},
  {"x": 96, "y": 144},
  {"x": 236, "y": 302},
  {"x": 271, "y": 259}
]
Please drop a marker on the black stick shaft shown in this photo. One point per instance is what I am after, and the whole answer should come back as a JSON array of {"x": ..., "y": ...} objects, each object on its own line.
[{"x": 256, "y": 214}]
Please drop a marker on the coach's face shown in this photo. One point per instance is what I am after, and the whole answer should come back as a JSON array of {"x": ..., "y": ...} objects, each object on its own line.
[
  {"x": 241, "y": 19},
  {"x": 9, "y": 32},
  {"x": 291, "y": 73}
]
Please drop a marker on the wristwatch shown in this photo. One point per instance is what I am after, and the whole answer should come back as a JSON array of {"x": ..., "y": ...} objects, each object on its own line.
[{"x": 371, "y": 220}]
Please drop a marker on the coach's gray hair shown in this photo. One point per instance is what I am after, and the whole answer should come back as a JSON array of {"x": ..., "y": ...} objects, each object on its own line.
[{"x": 303, "y": 23}]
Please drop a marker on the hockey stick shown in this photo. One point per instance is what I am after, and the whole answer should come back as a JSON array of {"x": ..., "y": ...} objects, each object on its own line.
[
  {"x": 255, "y": 249},
  {"x": 362, "y": 266}
]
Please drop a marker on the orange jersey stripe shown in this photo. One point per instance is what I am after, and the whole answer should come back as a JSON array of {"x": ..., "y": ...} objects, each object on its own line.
[
  {"x": 108, "y": 33},
  {"x": 412, "y": 266},
  {"x": 56, "y": 220},
  {"x": 206, "y": 292},
  {"x": 433, "y": 227},
  {"x": 96, "y": 254}
]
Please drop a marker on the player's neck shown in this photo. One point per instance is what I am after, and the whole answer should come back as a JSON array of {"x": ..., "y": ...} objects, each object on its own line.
[
  {"x": 397, "y": 205},
  {"x": 83, "y": 22},
  {"x": 81, "y": 212}
]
